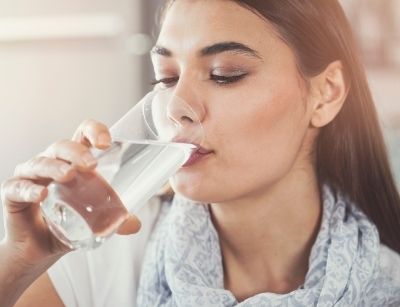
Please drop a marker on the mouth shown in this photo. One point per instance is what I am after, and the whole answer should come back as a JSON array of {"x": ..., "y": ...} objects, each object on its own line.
[{"x": 198, "y": 155}]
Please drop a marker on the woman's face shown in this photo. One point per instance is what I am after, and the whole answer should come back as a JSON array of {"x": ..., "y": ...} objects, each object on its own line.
[{"x": 242, "y": 80}]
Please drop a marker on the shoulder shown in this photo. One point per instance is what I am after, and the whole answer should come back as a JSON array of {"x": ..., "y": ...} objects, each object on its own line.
[
  {"x": 389, "y": 262},
  {"x": 384, "y": 288}
]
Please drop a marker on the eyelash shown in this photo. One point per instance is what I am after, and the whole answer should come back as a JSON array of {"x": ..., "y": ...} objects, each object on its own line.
[{"x": 220, "y": 80}]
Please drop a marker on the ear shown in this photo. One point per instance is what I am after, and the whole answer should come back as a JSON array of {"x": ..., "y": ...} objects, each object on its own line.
[{"x": 331, "y": 92}]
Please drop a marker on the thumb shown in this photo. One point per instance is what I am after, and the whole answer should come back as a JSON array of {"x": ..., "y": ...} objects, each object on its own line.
[{"x": 130, "y": 226}]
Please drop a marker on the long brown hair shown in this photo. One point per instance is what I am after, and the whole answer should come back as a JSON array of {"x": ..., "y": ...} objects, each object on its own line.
[{"x": 351, "y": 153}]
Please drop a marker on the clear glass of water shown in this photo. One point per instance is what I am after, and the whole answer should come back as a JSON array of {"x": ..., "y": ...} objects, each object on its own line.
[{"x": 149, "y": 144}]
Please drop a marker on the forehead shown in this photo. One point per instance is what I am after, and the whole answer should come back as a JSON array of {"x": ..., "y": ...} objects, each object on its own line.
[{"x": 192, "y": 24}]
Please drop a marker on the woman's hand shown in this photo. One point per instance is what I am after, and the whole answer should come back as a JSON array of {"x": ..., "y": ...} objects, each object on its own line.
[
  {"x": 29, "y": 248},
  {"x": 27, "y": 234}
]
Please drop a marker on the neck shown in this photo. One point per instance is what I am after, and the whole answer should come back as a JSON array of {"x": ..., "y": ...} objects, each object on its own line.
[{"x": 266, "y": 238}]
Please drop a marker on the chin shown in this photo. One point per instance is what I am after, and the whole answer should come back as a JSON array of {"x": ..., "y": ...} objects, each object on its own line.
[
  {"x": 203, "y": 192},
  {"x": 195, "y": 191}
]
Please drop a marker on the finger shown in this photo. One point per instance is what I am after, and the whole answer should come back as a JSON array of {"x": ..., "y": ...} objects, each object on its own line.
[
  {"x": 40, "y": 168},
  {"x": 79, "y": 155},
  {"x": 130, "y": 226},
  {"x": 18, "y": 193},
  {"x": 93, "y": 134}
]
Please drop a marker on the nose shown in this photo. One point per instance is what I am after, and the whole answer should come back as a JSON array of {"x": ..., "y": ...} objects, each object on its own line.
[
  {"x": 187, "y": 116},
  {"x": 181, "y": 113},
  {"x": 187, "y": 121},
  {"x": 185, "y": 108}
]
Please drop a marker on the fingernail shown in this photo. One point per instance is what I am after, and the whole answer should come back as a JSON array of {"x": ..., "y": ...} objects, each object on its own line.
[
  {"x": 104, "y": 139},
  {"x": 88, "y": 159},
  {"x": 36, "y": 192}
]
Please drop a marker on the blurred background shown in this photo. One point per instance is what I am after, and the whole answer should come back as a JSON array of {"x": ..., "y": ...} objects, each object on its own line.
[{"x": 64, "y": 61}]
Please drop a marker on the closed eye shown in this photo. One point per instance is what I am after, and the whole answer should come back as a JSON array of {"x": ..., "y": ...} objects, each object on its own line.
[
  {"x": 220, "y": 80},
  {"x": 167, "y": 82}
]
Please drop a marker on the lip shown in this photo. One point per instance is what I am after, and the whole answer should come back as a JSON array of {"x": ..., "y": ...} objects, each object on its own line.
[{"x": 197, "y": 155}]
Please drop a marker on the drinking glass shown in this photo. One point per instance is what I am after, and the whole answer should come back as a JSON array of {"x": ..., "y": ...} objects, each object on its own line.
[{"x": 149, "y": 144}]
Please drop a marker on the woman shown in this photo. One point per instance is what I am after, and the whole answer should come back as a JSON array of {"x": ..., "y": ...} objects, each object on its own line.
[{"x": 293, "y": 203}]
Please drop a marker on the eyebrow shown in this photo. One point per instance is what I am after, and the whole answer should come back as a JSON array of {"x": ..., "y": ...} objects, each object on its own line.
[{"x": 214, "y": 49}]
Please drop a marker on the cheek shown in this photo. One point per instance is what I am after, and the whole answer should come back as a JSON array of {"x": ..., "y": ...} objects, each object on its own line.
[
  {"x": 270, "y": 127},
  {"x": 256, "y": 134},
  {"x": 256, "y": 145}
]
